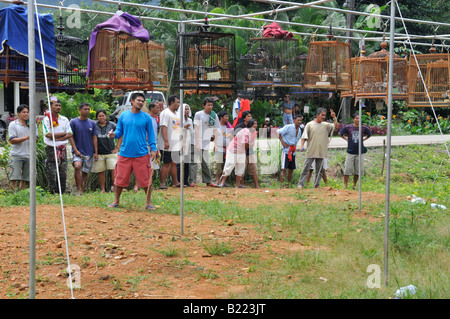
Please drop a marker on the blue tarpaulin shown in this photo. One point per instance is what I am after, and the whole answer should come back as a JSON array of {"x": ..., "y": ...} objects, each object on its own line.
[{"x": 14, "y": 33}]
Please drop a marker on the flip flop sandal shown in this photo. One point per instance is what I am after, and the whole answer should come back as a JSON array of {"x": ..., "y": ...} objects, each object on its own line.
[
  {"x": 163, "y": 187},
  {"x": 150, "y": 207},
  {"x": 113, "y": 205}
]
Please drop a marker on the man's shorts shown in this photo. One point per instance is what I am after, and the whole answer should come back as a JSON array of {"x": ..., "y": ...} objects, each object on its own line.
[
  {"x": 141, "y": 167},
  {"x": 285, "y": 163},
  {"x": 219, "y": 160},
  {"x": 87, "y": 162},
  {"x": 236, "y": 162},
  {"x": 104, "y": 162},
  {"x": 251, "y": 163},
  {"x": 19, "y": 168},
  {"x": 352, "y": 164},
  {"x": 166, "y": 157}
]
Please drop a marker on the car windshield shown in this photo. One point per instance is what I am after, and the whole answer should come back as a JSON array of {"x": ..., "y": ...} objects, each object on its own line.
[{"x": 154, "y": 96}]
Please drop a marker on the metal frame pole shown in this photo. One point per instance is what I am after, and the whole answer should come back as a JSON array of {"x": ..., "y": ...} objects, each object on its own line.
[
  {"x": 388, "y": 159},
  {"x": 32, "y": 91},
  {"x": 182, "y": 136}
]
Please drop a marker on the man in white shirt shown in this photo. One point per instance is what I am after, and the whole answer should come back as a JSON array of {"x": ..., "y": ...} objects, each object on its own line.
[
  {"x": 169, "y": 141},
  {"x": 206, "y": 124},
  {"x": 57, "y": 129}
]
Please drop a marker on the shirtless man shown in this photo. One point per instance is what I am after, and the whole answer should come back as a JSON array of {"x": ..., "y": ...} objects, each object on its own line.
[{"x": 288, "y": 107}]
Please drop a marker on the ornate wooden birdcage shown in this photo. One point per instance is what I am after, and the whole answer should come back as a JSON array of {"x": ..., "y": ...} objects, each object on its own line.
[
  {"x": 208, "y": 64},
  {"x": 14, "y": 48},
  {"x": 158, "y": 66},
  {"x": 71, "y": 58},
  {"x": 371, "y": 76},
  {"x": 435, "y": 70},
  {"x": 118, "y": 59},
  {"x": 327, "y": 66}
]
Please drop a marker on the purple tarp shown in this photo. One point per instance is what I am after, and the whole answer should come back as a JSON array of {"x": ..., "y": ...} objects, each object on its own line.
[{"x": 120, "y": 22}]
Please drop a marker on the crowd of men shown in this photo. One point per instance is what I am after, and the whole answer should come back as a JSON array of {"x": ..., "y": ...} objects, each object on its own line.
[{"x": 148, "y": 137}]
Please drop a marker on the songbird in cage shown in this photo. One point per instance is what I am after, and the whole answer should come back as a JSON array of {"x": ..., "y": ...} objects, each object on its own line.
[
  {"x": 197, "y": 48},
  {"x": 249, "y": 76}
]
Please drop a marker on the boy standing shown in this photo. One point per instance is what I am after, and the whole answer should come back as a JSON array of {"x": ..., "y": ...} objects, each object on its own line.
[
  {"x": 84, "y": 145},
  {"x": 350, "y": 133}
]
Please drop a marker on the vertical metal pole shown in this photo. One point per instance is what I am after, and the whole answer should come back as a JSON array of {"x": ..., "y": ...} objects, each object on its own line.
[
  {"x": 32, "y": 109},
  {"x": 182, "y": 137},
  {"x": 360, "y": 152},
  {"x": 388, "y": 159}
]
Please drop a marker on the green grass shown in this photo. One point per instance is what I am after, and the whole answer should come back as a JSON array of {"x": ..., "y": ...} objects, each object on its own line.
[{"x": 340, "y": 248}]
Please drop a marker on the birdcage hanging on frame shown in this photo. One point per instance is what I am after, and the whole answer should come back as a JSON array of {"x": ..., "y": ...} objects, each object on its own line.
[
  {"x": 119, "y": 55},
  {"x": 435, "y": 70},
  {"x": 371, "y": 76},
  {"x": 208, "y": 64},
  {"x": 272, "y": 64},
  {"x": 71, "y": 59},
  {"x": 158, "y": 66},
  {"x": 327, "y": 66}
]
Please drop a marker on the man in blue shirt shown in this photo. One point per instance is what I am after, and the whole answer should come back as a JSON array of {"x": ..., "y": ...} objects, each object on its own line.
[
  {"x": 84, "y": 145},
  {"x": 289, "y": 136},
  {"x": 136, "y": 129}
]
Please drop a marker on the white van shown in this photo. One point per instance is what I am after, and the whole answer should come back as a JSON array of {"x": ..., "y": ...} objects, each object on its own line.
[{"x": 125, "y": 103}]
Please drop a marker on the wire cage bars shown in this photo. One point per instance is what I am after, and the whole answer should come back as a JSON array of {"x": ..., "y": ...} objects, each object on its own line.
[
  {"x": 273, "y": 62},
  {"x": 328, "y": 65},
  {"x": 371, "y": 76},
  {"x": 119, "y": 61},
  {"x": 158, "y": 66},
  {"x": 435, "y": 70},
  {"x": 71, "y": 60},
  {"x": 208, "y": 63}
]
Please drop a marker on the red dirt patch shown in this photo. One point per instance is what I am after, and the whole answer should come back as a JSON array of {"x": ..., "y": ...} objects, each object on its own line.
[{"x": 122, "y": 254}]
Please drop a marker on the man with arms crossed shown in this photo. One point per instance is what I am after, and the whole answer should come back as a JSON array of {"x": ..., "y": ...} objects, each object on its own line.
[{"x": 56, "y": 127}]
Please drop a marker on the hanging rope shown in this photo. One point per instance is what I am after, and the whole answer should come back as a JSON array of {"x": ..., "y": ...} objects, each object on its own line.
[
  {"x": 54, "y": 149},
  {"x": 421, "y": 77}
]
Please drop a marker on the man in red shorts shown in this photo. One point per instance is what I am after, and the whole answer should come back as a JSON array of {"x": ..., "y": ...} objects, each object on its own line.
[{"x": 136, "y": 129}]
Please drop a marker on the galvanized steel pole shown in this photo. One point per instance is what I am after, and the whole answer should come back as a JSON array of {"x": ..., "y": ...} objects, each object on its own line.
[
  {"x": 388, "y": 138},
  {"x": 31, "y": 105}
]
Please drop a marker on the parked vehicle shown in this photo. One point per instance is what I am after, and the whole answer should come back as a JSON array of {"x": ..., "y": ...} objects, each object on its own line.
[{"x": 125, "y": 103}]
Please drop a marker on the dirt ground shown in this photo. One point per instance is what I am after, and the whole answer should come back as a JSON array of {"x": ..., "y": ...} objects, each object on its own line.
[{"x": 117, "y": 253}]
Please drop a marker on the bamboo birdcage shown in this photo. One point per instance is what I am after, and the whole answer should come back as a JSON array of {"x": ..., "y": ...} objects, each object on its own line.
[
  {"x": 327, "y": 65},
  {"x": 435, "y": 70},
  {"x": 119, "y": 61},
  {"x": 208, "y": 62},
  {"x": 371, "y": 76},
  {"x": 158, "y": 66}
]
